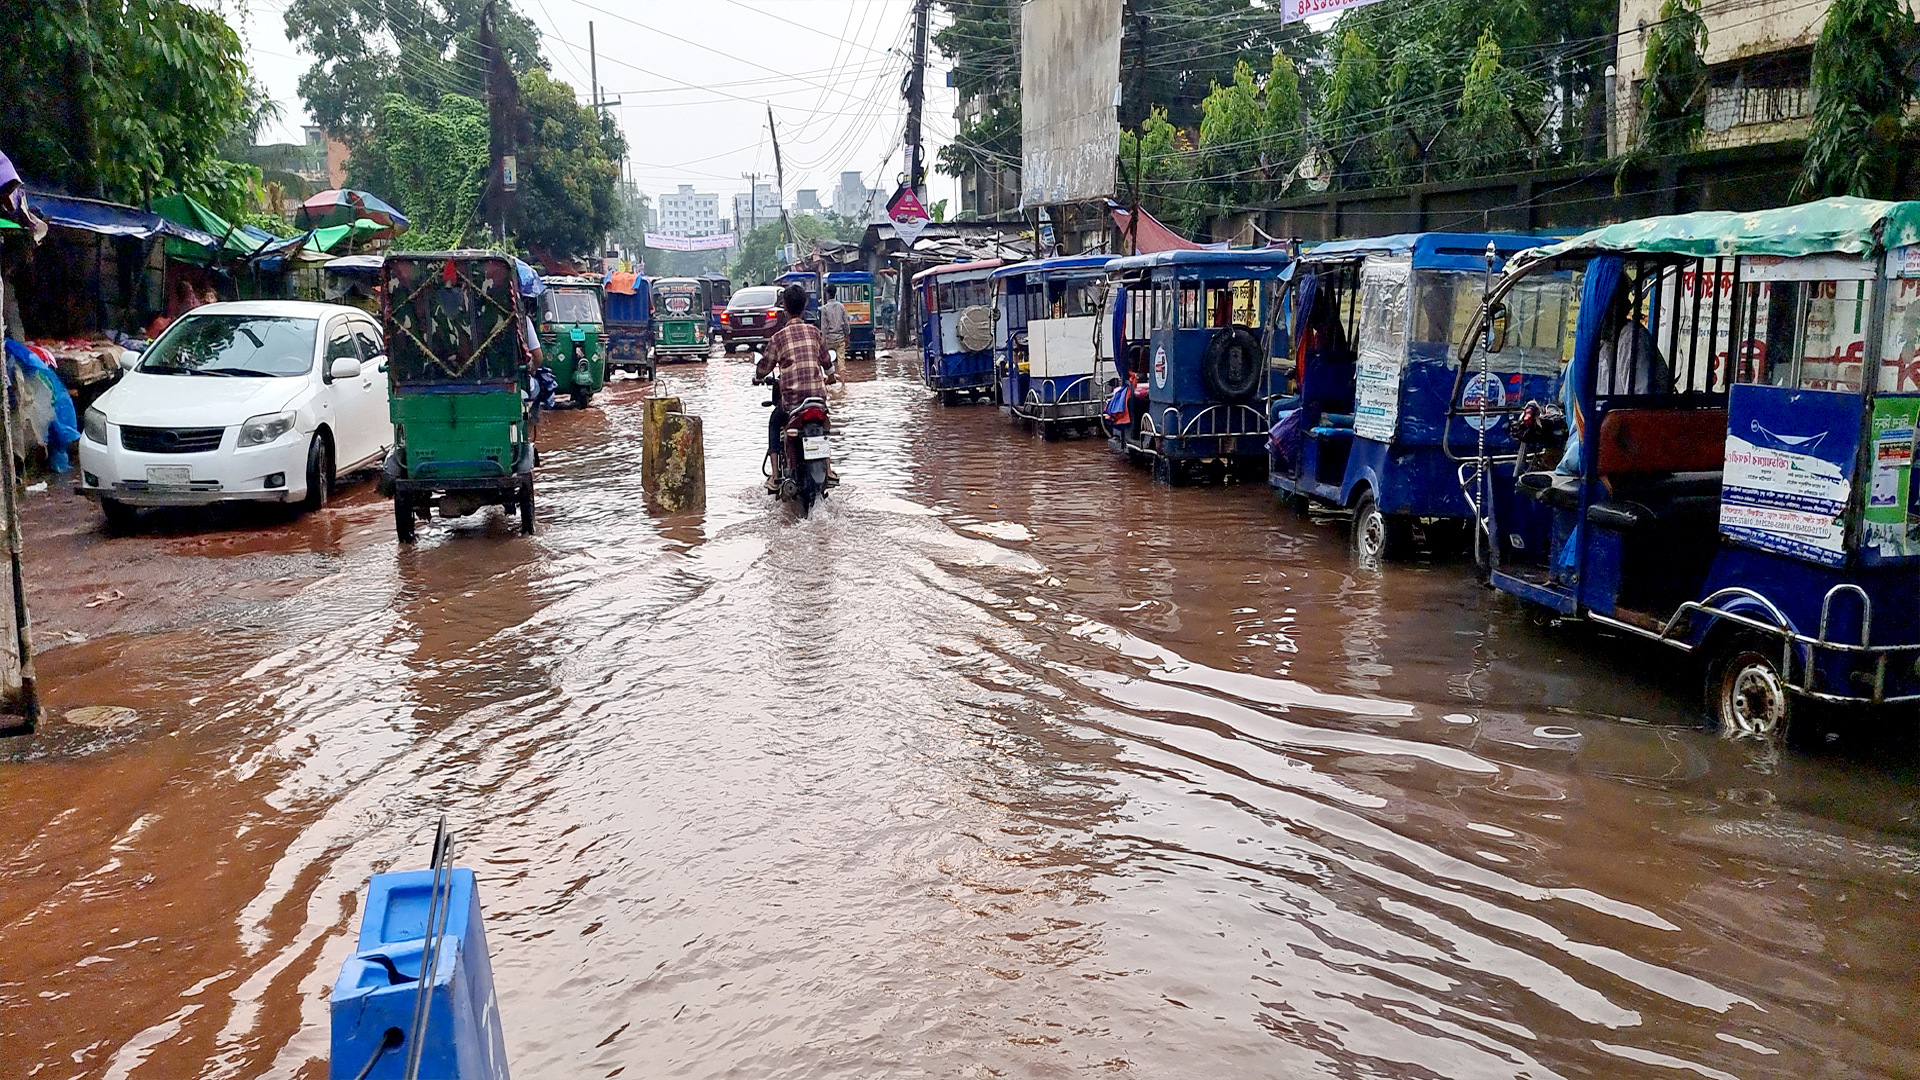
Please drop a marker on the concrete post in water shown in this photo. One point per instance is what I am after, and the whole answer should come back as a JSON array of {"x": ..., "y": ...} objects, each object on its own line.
[{"x": 673, "y": 462}]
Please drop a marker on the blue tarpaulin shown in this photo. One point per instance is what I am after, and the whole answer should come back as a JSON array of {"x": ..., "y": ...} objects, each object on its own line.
[{"x": 113, "y": 219}]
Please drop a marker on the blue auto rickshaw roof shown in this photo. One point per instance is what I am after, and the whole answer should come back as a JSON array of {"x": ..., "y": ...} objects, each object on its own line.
[
  {"x": 1064, "y": 262},
  {"x": 798, "y": 275},
  {"x": 850, "y": 277},
  {"x": 1459, "y": 250},
  {"x": 1189, "y": 263}
]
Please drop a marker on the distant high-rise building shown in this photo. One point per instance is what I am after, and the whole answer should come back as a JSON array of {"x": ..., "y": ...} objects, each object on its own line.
[
  {"x": 852, "y": 199},
  {"x": 754, "y": 209},
  {"x": 807, "y": 201},
  {"x": 687, "y": 212}
]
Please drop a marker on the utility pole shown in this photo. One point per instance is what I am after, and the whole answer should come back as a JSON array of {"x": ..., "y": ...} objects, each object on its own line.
[
  {"x": 916, "y": 101},
  {"x": 593, "y": 68},
  {"x": 780, "y": 185}
]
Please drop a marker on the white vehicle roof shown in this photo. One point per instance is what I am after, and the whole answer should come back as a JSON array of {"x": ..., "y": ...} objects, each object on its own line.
[{"x": 289, "y": 309}]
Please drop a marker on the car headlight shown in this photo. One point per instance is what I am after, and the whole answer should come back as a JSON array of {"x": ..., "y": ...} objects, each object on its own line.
[
  {"x": 94, "y": 426},
  {"x": 263, "y": 429}
]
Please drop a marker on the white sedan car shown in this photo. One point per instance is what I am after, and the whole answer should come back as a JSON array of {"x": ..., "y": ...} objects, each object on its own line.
[{"x": 264, "y": 400}]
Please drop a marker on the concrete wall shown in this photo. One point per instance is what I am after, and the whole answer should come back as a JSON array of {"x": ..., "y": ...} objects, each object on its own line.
[{"x": 1741, "y": 35}]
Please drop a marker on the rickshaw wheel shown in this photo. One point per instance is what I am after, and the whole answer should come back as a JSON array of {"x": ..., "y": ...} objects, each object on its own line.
[
  {"x": 1377, "y": 535},
  {"x": 403, "y": 518},
  {"x": 581, "y": 398},
  {"x": 526, "y": 511},
  {"x": 1747, "y": 697}
]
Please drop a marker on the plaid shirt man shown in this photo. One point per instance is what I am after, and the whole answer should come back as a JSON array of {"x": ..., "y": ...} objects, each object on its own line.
[{"x": 796, "y": 355}]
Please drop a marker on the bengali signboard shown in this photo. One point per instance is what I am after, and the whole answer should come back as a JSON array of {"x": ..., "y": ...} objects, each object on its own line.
[
  {"x": 1789, "y": 468},
  {"x": 1889, "y": 530},
  {"x": 1295, "y": 10}
]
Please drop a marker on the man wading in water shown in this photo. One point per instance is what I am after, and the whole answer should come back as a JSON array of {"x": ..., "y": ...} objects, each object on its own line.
[{"x": 796, "y": 357}]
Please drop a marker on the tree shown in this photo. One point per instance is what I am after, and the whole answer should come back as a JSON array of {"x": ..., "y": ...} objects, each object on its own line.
[
  {"x": 1349, "y": 108},
  {"x": 1251, "y": 134},
  {"x": 1500, "y": 113},
  {"x": 422, "y": 49},
  {"x": 126, "y": 99},
  {"x": 1860, "y": 96},
  {"x": 1675, "y": 87},
  {"x": 983, "y": 41},
  {"x": 569, "y": 174},
  {"x": 1156, "y": 166},
  {"x": 432, "y": 164}
]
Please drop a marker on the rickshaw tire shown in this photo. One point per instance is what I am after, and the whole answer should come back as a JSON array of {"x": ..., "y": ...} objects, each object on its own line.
[
  {"x": 582, "y": 398},
  {"x": 1222, "y": 380},
  {"x": 1393, "y": 534},
  {"x": 526, "y": 510},
  {"x": 403, "y": 518},
  {"x": 1745, "y": 664}
]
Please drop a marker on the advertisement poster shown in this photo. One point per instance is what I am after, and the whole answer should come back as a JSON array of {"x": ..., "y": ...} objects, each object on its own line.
[
  {"x": 1889, "y": 528},
  {"x": 1789, "y": 467},
  {"x": 1382, "y": 352}
]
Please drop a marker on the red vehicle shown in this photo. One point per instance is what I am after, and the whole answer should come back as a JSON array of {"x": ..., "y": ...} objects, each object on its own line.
[{"x": 751, "y": 317}]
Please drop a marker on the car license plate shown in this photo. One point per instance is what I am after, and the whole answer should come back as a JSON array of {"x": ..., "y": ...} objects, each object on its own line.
[
  {"x": 814, "y": 447},
  {"x": 169, "y": 475}
]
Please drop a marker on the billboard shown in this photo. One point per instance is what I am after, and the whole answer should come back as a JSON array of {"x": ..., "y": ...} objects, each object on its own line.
[
  {"x": 1069, "y": 84},
  {"x": 663, "y": 242}
]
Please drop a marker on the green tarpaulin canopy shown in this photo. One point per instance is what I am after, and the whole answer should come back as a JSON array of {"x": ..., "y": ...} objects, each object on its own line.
[
  {"x": 1839, "y": 226},
  {"x": 187, "y": 210},
  {"x": 326, "y": 239}
]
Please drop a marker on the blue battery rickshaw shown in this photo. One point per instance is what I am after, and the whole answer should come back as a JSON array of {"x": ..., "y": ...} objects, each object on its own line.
[
  {"x": 629, "y": 317},
  {"x": 1735, "y": 474},
  {"x": 854, "y": 290},
  {"x": 810, "y": 281},
  {"x": 719, "y": 291},
  {"x": 1047, "y": 366},
  {"x": 956, "y": 329},
  {"x": 1374, "y": 331},
  {"x": 1200, "y": 330}
]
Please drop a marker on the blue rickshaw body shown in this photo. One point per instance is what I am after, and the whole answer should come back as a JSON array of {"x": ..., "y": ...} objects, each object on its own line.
[
  {"x": 1064, "y": 390},
  {"x": 1181, "y": 421},
  {"x": 809, "y": 280},
  {"x": 944, "y": 294},
  {"x": 859, "y": 334},
  {"x": 1410, "y": 474},
  {"x": 629, "y": 320},
  {"x": 1761, "y": 509}
]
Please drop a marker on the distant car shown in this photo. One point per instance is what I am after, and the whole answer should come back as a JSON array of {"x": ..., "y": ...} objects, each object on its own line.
[
  {"x": 259, "y": 400},
  {"x": 751, "y": 317}
]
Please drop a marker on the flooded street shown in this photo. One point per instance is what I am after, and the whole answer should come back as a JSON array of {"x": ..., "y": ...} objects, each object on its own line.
[{"x": 1006, "y": 763}]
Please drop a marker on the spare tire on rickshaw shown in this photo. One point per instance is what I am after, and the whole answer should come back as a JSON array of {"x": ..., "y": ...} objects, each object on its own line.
[{"x": 1232, "y": 365}]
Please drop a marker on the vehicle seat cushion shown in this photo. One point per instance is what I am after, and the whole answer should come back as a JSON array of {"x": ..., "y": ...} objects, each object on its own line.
[
  {"x": 1553, "y": 488},
  {"x": 1642, "y": 441}
]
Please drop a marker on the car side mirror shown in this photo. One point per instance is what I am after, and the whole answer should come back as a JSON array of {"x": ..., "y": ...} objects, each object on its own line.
[
  {"x": 344, "y": 368},
  {"x": 380, "y": 363},
  {"x": 1496, "y": 328},
  {"x": 128, "y": 359}
]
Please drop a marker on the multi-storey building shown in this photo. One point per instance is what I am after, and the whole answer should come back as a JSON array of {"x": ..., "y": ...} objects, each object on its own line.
[
  {"x": 687, "y": 212},
  {"x": 752, "y": 209}
]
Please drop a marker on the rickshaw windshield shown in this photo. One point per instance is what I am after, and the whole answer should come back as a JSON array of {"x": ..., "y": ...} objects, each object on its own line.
[
  {"x": 853, "y": 294},
  {"x": 1542, "y": 310},
  {"x": 569, "y": 306},
  {"x": 677, "y": 300},
  {"x": 1217, "y": 304},
  {"x": 1075, "y": 297},
  {"x": 960, "y": 295}
]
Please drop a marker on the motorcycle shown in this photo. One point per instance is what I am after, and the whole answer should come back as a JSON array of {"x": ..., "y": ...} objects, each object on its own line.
[{"x": 799, "y": 468}]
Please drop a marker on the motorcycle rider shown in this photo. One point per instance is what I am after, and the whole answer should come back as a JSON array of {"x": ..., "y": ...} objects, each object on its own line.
[{"x": 796, "y": 358}]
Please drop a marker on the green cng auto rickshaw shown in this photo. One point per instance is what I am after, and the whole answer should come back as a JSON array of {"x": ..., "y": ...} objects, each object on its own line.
[
  {"x": 457, "y": 358},
  {"x": 681, "y": 318},
  {"x": 571, "y": 333}
]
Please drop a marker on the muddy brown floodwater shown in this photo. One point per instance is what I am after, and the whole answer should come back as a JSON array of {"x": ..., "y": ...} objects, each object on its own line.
[{"x": 1008, "y": 763}]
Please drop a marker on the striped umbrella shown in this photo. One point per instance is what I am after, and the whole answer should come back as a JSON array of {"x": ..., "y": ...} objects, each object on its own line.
[{"x": 344, "y": 206}]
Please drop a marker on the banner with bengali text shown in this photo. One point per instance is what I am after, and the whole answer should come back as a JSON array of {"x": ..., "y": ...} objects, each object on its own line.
[{"x": 663, "y": 242}]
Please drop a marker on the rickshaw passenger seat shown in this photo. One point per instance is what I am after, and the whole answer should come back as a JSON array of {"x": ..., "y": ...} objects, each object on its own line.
[{"x": 1656, "y": 442}]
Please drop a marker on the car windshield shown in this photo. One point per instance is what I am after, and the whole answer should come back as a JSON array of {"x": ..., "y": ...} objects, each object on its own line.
[
  {"x": 757, "y": 297},
  {"x": 245, "y": 346},
  {"x": 570, "y": 306}
]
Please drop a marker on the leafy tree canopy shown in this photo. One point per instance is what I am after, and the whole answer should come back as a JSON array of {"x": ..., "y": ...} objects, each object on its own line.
[
  {"x": 126, "y": 99},
  {"x": 758, "y": 258},
  {"x": 569, "y": 196},
  {"x": 1860, "y": 96},
  {"x": 1673, "y": 94},
  {"x": 366, "y": 49},
  {"x": 430, "y": 162}
]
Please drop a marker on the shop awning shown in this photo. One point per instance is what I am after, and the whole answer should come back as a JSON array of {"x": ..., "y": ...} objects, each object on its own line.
[{"x": 114, "y": 219}]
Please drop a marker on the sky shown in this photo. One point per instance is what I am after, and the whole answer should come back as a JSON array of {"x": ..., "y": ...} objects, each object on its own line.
[{"x": 694, "y": 79}]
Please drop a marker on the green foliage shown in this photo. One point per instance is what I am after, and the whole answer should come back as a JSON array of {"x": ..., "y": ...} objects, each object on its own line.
[
  {"x": 1673, "y": 94},
  {"x": 1860, "y": 96},
  {"x": 1252, "y": 135},
  {"x": 125, "y": 99},
  {"x": 1500, "y": 113},
  {"x": 758, "y": 258},
  {"x": 1355, "y": 93},
  {"x": 992, "y": 141},
  {"x": 569, "y": 174},
  {"x": 431, "y": 163},
  {"x": 1156, "y": 165},
  {"x": 421, "y": 49}
]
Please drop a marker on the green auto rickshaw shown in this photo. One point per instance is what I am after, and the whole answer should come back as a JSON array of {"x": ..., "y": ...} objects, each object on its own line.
[
  {"x": 458, "y": 361},
  {"x": 572, "y": 331},
  {"x": 681, "y": 317}
]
